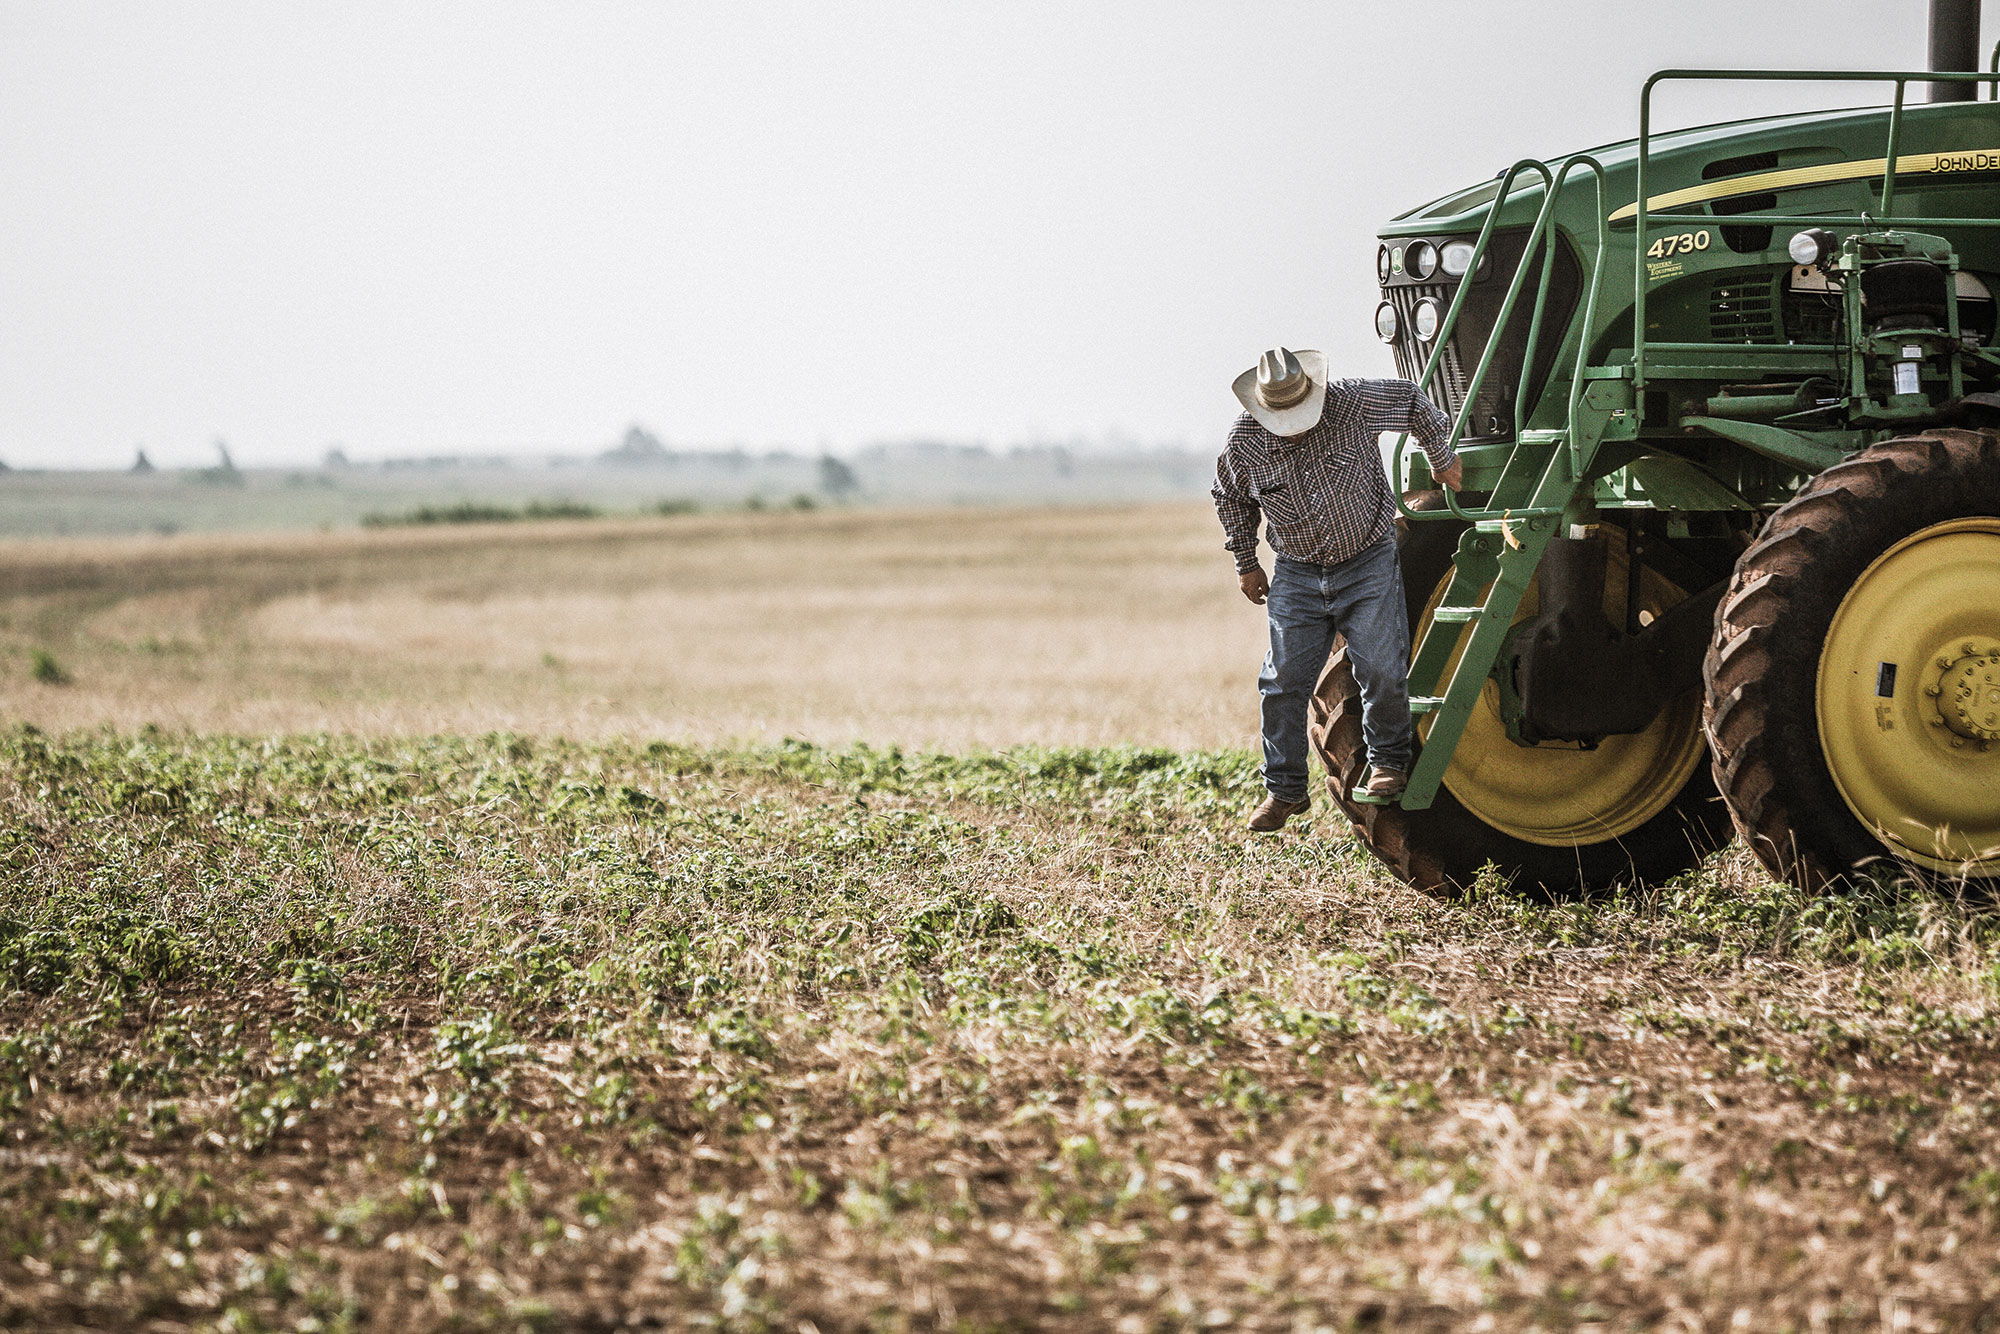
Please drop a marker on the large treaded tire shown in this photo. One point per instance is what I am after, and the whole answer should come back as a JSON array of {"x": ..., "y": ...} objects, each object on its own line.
[
  {"x": 1442, "y": 849},
  {"x": 1762, "y": 668}
]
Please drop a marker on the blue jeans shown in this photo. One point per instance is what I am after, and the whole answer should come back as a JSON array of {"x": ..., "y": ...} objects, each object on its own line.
[{"x": 1361, "y": 598}]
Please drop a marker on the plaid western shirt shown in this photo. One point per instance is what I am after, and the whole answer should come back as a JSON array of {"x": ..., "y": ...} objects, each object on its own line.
[{"x": 1324, "y": 495}]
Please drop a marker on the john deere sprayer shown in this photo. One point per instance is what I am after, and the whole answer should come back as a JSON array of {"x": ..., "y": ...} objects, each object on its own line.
[{"x": 1728, "y": 553}]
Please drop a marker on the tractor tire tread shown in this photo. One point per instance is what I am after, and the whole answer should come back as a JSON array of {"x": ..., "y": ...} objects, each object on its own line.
[{"x": 1782, "y": 823}]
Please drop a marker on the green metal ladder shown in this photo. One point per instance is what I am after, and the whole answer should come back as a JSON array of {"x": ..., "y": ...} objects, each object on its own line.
[
  {"x": 1503, "y": 544},
  {"x": 1491, "y": 572}
]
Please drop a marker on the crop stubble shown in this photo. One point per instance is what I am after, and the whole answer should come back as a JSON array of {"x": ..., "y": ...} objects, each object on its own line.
[{"x": 944, "y": 628}]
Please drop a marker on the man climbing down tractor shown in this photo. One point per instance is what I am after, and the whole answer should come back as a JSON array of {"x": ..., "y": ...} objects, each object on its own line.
[{"x": 1304, "y": 455}]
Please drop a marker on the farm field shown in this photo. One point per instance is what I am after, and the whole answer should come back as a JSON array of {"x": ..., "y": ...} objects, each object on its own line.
[
  {"x": 940, "y": 628},
  {"x": 850, "y": 928}
]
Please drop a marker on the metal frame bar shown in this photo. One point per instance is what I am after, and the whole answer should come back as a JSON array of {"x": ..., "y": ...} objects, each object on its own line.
[
  {"x": 1820, "y": 220},
  {"x": 1787, "y": 349}
]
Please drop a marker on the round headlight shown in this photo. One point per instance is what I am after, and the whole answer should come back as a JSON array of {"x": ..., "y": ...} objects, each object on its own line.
[
  {"x": 1420, "y": 260},
  {"x": 1426, "y": 318},
  {"x": 1456, "y": 258},
  {"x": 1387, "y": 326},
  {"x": 1382, "y": 263},
  {"x": 1812, "y": 246}
]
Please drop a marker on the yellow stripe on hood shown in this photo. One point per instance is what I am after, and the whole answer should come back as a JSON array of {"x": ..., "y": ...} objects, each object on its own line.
[{"x": 1908, "y": 164}]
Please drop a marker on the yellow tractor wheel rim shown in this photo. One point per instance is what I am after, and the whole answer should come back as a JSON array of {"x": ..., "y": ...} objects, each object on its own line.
[
  {"x": 1559, "y": 795},
  {"x": 1909, "y": 698}
]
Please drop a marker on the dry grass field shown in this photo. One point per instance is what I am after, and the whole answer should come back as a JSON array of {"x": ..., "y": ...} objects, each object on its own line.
[
  {"x": 945, "y": 628},
  {"x": 435, "y": 931}
]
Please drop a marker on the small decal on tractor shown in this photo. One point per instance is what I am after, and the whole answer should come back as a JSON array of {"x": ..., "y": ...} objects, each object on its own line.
[
  {"x": 1680, "y": 243},
  {"x": 1885, "y": 680},
  {"x": 1968, "y": 161},
  {"x": 1660, "y": 262}
]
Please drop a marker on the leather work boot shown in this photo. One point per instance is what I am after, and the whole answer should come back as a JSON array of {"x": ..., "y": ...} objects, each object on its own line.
[
  {"x": 1386, "y": 785},
  {"x": 1273, "y": 813}
]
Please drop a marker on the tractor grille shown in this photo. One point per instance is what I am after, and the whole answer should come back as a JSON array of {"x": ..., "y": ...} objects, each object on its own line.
[
  {"x": 1743, "y": 309},
  {"x": 1493, "y": 415},
  {"x": 1448, "y": 386}
]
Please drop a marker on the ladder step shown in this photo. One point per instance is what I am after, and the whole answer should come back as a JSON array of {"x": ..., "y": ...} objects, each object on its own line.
[
  {"x": 1425, "y": 703},
  {"x": 1457, "y": 613}
]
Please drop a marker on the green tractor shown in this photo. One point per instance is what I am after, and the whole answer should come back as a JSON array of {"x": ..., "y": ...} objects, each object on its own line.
[{"x": 1728, "y": 555}]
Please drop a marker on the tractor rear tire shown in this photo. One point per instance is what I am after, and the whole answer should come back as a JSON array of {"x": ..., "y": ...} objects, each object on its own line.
[
  {"x": 1442, "y": 849},
  {"x": 1835, "y": 766}
]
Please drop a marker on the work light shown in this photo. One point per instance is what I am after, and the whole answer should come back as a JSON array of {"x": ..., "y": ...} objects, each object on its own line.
[
  {"x": 1426, "y": 318},
  {"x": 1813, "y": 246},
  {"x": 1387, "y": 326},
  {"x": 1457, "y": 258},
  {"x": 1382, "y": 263},
  {"x": 1420, "y": 260}
]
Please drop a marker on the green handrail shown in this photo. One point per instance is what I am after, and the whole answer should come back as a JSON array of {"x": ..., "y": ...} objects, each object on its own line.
[
  {"x": 1889, "y": 153},
  {"x": 1553, "y": 184},
  {"x": 1596, "y": 282},
  {"x": 1514, "y": 288},
  {"x": 1450, "y": 322},
  {"x": 1900, "y": 78}
]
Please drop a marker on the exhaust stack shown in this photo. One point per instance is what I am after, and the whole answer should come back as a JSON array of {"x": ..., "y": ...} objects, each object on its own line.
[{"x": 1954, "y": 46}]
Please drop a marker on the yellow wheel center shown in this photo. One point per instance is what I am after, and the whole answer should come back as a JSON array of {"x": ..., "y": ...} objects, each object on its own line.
[
  {"x": 1909, "y": 698},
  {"x": 1969, "y": 697},
  {"x": 1562, "y": 795}
]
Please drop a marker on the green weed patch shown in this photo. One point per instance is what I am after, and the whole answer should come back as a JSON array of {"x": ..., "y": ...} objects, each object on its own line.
[{"x": 495, "y": 1032}]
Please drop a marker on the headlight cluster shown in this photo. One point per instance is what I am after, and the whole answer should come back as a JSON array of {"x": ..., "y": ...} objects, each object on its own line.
[
  {"x": 1425, "y": 319},
  {"x": 1418, "y": 261}
]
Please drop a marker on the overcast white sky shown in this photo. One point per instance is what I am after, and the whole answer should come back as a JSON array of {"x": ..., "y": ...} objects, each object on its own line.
[{"x": 506, "y": 227}]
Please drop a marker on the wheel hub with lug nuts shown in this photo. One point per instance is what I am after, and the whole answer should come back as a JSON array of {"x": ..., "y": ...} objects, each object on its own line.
[
  {"x": 1908, "y": 719},
  {"x": 1968, "y": 696}
]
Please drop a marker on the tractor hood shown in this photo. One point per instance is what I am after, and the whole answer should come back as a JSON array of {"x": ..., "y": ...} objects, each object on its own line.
[{"x": 1959, "y": 140}]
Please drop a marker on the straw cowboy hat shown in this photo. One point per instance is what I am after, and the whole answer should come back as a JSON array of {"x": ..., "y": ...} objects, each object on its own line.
[{"x": 1285, "y": 390}]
